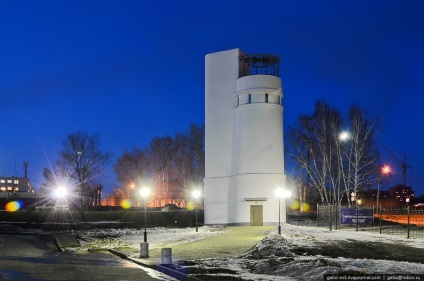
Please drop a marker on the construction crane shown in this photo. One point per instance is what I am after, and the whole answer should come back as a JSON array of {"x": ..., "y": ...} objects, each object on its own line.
[{"x": 403, "y": 164}]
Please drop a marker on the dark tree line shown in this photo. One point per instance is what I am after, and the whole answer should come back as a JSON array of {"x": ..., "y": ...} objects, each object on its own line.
[
  {"x": 169, "y": 166},
  {"x": 334, "y": 167}
]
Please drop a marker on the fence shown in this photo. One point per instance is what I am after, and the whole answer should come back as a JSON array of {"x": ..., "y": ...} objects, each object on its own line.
[{"x": 405, "y": 221}]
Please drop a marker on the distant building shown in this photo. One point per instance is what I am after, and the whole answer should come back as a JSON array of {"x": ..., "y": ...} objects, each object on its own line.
[
  {"x": 400, "y": 192},
  {"x": 371, "y": 194},
  {"x": 15, "y": 184}
]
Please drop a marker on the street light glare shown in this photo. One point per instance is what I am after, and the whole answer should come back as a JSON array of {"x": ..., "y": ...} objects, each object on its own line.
[
  {"x": 280, "y": 192},
  {"x": 61, "y": 192},
  {"x": 144, "y": 192},
  {"x": 385, "y": 170},
  {"x": 344, "y": 136},
  {"x": 287, "y": 193},
  {"x": 196, "y": 193}
]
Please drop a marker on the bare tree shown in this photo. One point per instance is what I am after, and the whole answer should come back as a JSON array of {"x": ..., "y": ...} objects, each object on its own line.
[
  {"x": 311, "y": 143},
  {"x": 334, "y": 168},
  {"x": 188, "y": 161},
  {"x": 132, "y": 169},
  {"x": 182, "y": 166},
  {"x": 174, "y": 164},
  {"x": 361, "y": 154},
  {"x": 197, "y": 146},
  {"x": 82, "y": 160},
  {"x": 49, "y": 181},
  {"x": 96, "y": 195},
  {"x": 161, "y": 153}
]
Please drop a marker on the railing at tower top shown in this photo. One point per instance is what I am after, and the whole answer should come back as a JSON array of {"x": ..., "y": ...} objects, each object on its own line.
[{"x": 259, "y": 64}]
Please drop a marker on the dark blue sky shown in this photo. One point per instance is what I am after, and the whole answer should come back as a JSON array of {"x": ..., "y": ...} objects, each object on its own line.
[{"x": 130, "y": 71}]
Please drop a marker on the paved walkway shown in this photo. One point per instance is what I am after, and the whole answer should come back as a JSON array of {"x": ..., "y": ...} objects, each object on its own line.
[
  {"x": 235, "y": 242},
  {"x": 27, "y": 257},
  {"x": 34, "y": 258}
]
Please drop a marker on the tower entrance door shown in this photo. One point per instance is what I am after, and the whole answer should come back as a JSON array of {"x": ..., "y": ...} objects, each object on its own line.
[{"x": 256, "y": 215}]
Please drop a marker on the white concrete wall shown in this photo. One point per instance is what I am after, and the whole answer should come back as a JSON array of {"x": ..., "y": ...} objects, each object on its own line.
[
  {"x": 258, "y": 151},
  {"x": 221, "y": 74},
  {"x": 216, "y": 199},
  {"x": 259, "y": 127},
  {"x": 260, "y": 146},
  {"x": 259, "y": 186}
]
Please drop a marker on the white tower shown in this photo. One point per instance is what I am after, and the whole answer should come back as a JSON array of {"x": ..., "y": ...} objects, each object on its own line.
[{"x": 244, "y": 162}]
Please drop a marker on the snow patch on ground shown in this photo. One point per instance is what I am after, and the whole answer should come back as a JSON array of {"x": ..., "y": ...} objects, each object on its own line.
[
  {"x": 275, "y": 257},
  {"x": 158, "y": 237}
]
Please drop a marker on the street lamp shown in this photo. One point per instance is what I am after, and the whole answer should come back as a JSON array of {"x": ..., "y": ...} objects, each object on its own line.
[
  {"x": 279, "y": 192},
  {"x": 343, "y": 137},
  {"x": 60, "y": 194},
  {"x": 385, "y": 170},
  {"x": 196, "y": 195},
  {"x": 144, "y": 192}
]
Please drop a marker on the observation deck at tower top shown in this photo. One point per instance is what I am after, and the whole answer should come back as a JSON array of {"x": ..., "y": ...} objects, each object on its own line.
[{"x": 259, "y": 64}]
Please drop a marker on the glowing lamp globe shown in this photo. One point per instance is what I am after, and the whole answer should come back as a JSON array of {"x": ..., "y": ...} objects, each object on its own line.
[
  {"x": 61, "y": 192},
  {"x": 144, "y": 192}
]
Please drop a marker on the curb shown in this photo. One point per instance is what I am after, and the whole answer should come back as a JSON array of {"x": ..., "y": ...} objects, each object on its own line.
[{"x": 163, "y": 269}]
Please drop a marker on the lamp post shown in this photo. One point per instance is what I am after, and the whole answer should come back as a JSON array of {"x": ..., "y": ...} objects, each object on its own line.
[
  {"x": 358, "y": 202},
  {"x": 286, "y": 194},
  {"x": 144, "y": 192},
  {"x": 343, "y": 136},
  {"x": 279, "y": 193},
  {"x": 384, "y": 171},
  {"x": 196, "y": 195}
]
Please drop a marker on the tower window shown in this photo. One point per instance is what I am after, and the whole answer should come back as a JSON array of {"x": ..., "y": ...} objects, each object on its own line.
[
  {"x": 266, "y": 98},
  {"x": 249, "y": 100}
]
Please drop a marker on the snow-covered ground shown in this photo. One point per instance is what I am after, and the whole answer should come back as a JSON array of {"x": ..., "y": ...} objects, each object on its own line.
[
  {"x": 300, "y": 253},
  {"x": 158, "y": 237}
]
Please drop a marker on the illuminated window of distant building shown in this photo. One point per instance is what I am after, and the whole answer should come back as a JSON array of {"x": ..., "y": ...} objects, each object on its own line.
[
  {"x": 16, "y": 188},
  {"x": 9, "y": 188},
  {"x": 16, "y": 181},
  {"x": 3, "y": 188},
  {"x": 2, "y": 181},
  {"x": 9, "y": 181}
]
